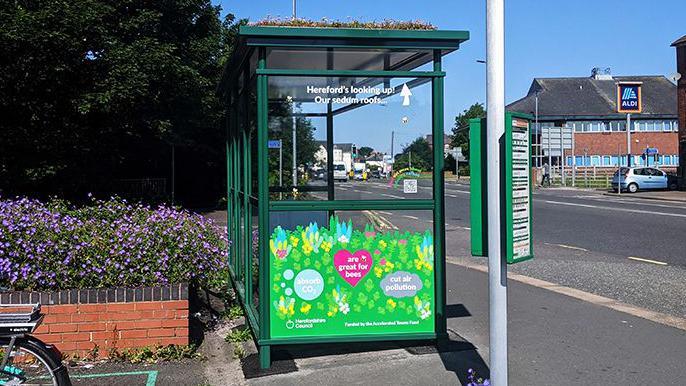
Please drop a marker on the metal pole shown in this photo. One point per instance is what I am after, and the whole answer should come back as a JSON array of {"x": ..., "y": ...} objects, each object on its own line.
[
  {"x": 573, "y": 158},
  {"x": 294, "y": 14},
  {"x": 497, "y": 270},
  {"x": 550, "y": 157},
  {"x": 280, "y": 165},
  {"x": 628, "y": 140},
  {"x": 392, "y": 155},
  {"x": 295, "y": 163},
  {"x": 562, "y": 157},
  {"x": 536, "y": 131},
  {"x": 619, "y": 167}
]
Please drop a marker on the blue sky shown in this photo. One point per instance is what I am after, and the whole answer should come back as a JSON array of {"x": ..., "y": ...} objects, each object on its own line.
[{"x": 543, "y": 38}]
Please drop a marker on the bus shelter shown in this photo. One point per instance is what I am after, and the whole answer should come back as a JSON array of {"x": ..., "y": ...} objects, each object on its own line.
[{"x": 335, "y": 154}]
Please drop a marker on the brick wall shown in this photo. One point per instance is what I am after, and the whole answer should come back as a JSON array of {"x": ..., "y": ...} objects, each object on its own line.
[
  {"x": 607, "y": 143},
  {"x": 78, "y": 321},
  {"x": 681, "y": 96}
]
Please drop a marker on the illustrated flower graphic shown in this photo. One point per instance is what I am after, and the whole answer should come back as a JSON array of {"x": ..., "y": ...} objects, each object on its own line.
[
  {"x": 344, "y": 231},
  {"x": 279, "y": 244},
  {"x": 382, "y": 244},
  {"x": 378, "y": 271},
  {"x": 285, "y": 306},
  {"x": 340, "y": 299},
  {"x": 425, "y": 253},
  {"x": 294, "y": 241},
  {"x": 382, "y": 261},
  {"x": 305, "y": 308},
  {"x": 402, "y": 242},
  {"x": 423, "y": 308},
  {"x": 312, "y": 240},
  {"x": 369, "y": 231}
]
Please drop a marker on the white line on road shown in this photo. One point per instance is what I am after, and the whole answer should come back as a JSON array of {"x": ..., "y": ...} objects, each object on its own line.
[
  {"x": 391, "y": 195},
  {"x": 386, "y": 213},
  {"x": 616, "y": 209},
  {"x": 411, "y": 217},
  {"x": 602, "y": 301},
  {"x": 568, "y": 247},
  {"x": 451, "y": 195},
  {"x": 457, "y": 191},
  {"x": 647, "y": 260}
]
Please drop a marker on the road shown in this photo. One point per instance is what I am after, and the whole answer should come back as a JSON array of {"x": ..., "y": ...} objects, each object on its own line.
[{"x": 628, "y": 249}]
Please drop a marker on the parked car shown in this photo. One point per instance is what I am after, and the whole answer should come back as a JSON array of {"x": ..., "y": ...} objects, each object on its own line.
[
  {"x": 339, "y": 173},
  {"x": 641, "y": 178}
]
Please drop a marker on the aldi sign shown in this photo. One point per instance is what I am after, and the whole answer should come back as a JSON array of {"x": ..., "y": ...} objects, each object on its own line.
[{"x": 629, "y": 98}]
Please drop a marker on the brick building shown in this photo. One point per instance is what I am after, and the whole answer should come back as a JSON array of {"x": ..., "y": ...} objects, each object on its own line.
[
  {"x": 586, "y": 108},
  {"x": 680, "y": 46}
]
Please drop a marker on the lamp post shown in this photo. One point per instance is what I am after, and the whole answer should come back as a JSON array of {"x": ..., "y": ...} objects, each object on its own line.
[{"x": 497, "y": 270}]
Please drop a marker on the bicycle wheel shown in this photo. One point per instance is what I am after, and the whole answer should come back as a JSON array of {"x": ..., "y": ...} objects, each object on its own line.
[{"x": 31, "y": 362}]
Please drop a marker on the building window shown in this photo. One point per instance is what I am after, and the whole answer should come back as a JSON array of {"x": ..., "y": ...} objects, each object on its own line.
[
  {"x": 595, "y": 160},
  {"x": 606, "y": 160}
]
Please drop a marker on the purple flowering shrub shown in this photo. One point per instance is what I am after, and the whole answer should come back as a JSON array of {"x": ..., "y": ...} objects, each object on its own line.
[{"x": 53, "y": 245}]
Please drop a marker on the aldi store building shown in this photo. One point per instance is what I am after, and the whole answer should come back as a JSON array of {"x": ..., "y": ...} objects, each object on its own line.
[{"x": 583, "y": 111}]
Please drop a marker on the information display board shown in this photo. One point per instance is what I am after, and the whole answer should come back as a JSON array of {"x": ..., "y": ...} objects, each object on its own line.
[
  {"x": 515, "y": 188},
  {"x": 518, "y": 190}
]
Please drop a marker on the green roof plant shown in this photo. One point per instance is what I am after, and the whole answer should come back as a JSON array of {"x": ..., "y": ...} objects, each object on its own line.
[{"x": 327, "y": 23}]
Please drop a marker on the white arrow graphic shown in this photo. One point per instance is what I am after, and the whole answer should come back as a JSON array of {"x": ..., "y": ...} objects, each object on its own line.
[{"x": 405, "y": 93}]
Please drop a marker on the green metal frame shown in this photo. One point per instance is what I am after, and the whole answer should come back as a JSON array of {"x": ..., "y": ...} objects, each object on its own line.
[{"x": 240, "y": 197}]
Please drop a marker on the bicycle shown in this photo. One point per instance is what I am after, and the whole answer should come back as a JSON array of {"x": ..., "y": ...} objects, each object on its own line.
[{"x": 26, "y": 360}]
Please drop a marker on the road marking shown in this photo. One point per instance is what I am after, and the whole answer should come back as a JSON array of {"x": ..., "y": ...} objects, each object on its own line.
[
  {"x": 657, "y": 317},
  {"x": 616, "y": 209},
  {"x": 457, "y": 191},
  {"x": 451, "y": 195},
  {"x": 391, "y": 196},
  {"x": 647, "y": 260},
  {"x": 411, "y": 217},
  {"x": 151, "y": 379},
  {"x": 568, "y": 247},
  {"x": 386, "y": 213}
]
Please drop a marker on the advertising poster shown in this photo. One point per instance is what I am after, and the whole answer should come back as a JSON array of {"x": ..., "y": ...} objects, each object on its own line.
[{"x": 333, "y": 280}]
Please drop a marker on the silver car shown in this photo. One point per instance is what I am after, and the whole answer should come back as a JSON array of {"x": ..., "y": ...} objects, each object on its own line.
[{"x": 640, "y": 178}]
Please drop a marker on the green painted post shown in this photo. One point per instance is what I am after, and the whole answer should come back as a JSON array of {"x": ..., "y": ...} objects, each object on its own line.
[
  {"x": 263, "y": 211},
  {"x": 477, "y": 186},
  {"x": 439, "y": 211}
]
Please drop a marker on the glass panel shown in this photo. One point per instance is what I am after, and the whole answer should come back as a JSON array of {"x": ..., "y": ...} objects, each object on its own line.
[
  {"x": 356, "y": 272},
  {"x": 369, "y": 118},
  {"x": 347, "y": 59},
  {"x": 255, "y": 256}
]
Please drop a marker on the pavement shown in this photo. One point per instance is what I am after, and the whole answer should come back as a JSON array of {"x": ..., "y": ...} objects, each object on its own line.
[{"x": 661, "y": 195}]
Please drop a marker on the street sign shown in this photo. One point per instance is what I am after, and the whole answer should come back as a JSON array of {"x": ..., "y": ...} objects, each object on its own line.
[
  {"x": 515, "y": 188},
  {"x": 274, "y": 144},
  {"x": 629, "y": 97},
  {"x": 651, "y": 151}
]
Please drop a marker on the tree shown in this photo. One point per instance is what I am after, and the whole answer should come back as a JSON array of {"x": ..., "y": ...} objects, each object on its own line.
[
  {"x": 365, "y": 151},
  {"x": 94, "y": 91},
  {"x": 461, "y": 128},
  {"x": 419, "y": 154}
]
